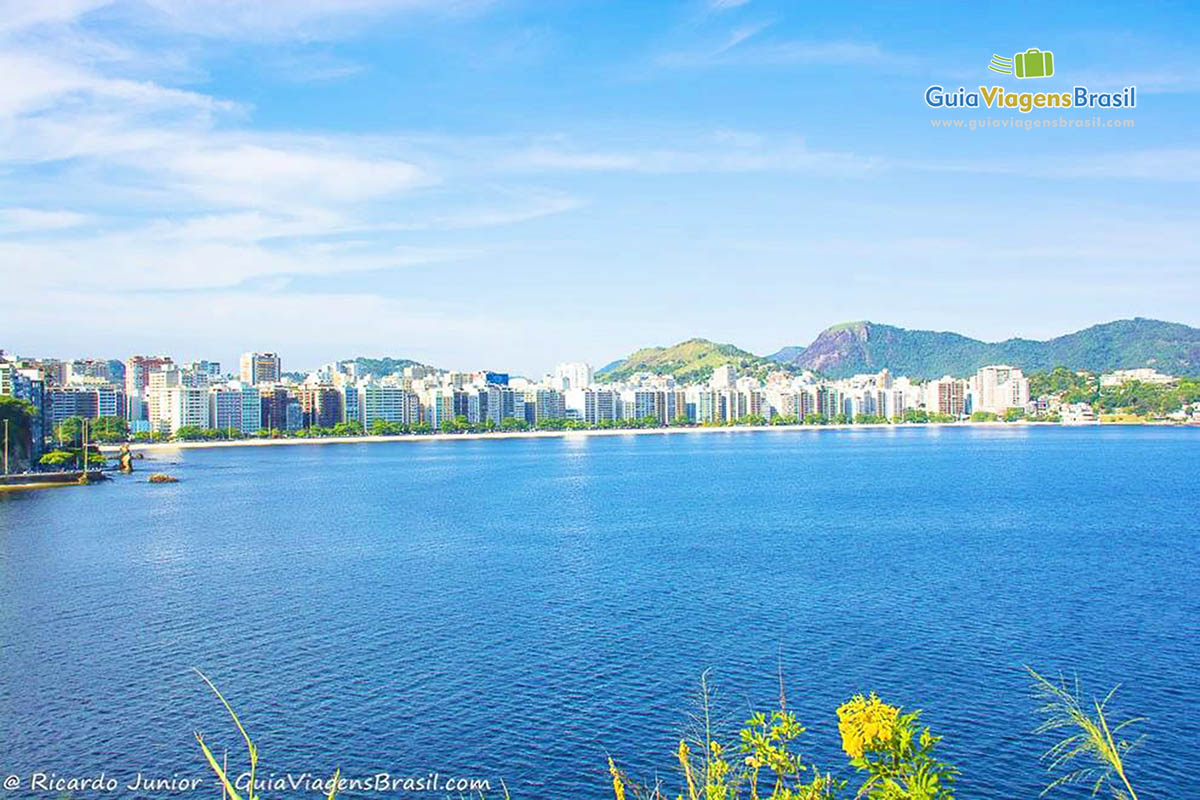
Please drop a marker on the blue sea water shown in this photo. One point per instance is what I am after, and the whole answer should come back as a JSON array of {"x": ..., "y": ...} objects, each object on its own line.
[{"x": 521, "y": 609}]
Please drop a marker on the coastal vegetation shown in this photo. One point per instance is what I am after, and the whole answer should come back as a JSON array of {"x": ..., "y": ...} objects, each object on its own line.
[
  {"x": 17, "y": 415},
  {"x": 73, "y": 458},
  {"x": 461, "y": 425},
  {"x": 890, "y": 753}
]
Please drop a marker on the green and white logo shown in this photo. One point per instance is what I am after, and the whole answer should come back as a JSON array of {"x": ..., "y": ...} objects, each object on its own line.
[{"x": 1033, "y": 63}]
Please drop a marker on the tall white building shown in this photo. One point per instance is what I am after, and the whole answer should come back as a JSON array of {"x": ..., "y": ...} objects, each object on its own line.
[
  {"x": 724, "y": 377},
  {"x": 998, "y": 388},
  {"x": 573, "y": 375},
  {"x": 175, "y": 407}
]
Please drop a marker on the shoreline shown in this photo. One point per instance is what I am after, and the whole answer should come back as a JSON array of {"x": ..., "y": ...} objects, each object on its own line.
[{"x": 151, "y": 447}]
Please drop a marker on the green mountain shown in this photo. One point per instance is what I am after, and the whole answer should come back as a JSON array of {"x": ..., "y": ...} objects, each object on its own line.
[
  {"x": 378, "y": 367},
  {"x": 857, "y": 347},
  {"x": 693, "y": 360}
]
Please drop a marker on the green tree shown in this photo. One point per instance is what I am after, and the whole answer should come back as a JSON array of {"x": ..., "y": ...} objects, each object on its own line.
[
  {"x": 348, "y": 428},
  {"x": 69, "y": 431},
  {"x": 57, "y": 458},
  {"x": 19, "y": 416},
  {"x": 192, "y": 433},
  {"x": 382, "y": 427},
  {"x": 109, "y": 430},
  {"x": 513, "y": 424}
]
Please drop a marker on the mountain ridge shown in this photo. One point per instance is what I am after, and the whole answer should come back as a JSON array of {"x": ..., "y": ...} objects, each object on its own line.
[
  {"x": 864, "y": 346},
  {"x": 849, "y": 348},
  {"x": 690, "y": 360}
]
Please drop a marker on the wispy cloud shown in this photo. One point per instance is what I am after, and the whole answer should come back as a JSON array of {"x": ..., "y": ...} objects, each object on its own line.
[
  {"x": 743, "y": 46},
  {"x": 32, "y": 220},
  {"x": 1163, "y": 164},
  {"x": 723, "y": 151}
]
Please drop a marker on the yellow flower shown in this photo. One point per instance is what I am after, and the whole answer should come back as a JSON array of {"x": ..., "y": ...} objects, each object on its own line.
[
  {"x": 865, "y": 723},
  {"x": 618, "y": 784}
]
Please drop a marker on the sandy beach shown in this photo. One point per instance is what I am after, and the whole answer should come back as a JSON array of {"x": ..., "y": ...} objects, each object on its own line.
[{"x": 149, "y": 447}]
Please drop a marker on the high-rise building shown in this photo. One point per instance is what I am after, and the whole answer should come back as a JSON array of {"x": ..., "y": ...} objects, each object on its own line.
[
  {"x": 235, "y": 406},
  {"x": 273, "y": 405},
  {"x": 210, "y": 368},
  {"x": 947, "y": 396},
  {"x": 322, "y": 406},
  {"x": 387, "y": 403},
  {"x": 998, "y": 388},
  {"x": 138, "y": 370},
  {"x": 88, "y": 402},
  {"x": 88, "y": 368},
  {"x": 573, "y": 375},
  {"x": 178, "y": 406},
  {"x": 28, "y": 384},
  {"x": 723, "y": 377},
  {"x": 260, "y": 368}
]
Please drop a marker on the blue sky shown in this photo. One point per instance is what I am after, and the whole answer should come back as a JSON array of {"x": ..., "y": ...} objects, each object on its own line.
[{"x": 512, "y": 184}]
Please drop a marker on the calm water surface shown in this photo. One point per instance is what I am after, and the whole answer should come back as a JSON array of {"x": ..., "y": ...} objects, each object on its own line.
[{"x": 520, "y": 609}]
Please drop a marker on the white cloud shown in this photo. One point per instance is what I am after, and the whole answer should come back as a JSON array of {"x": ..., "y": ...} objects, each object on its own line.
[
  {"x": 1176, "y": 164},
  {"x": 253, "y": 175},
  {"x": 303, "y": 19},
  {"x": 32, "y": 220},
  {"x": 726, "y": 151},
  {"x": 734, "y": 50},
  {"x": 18, "y": 15}
]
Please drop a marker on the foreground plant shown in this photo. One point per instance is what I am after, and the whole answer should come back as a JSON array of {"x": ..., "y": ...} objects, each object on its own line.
[
  {"x": 227, "y": 787},
  {"x": 896, "y": 755},
  {"x": 229, "y": 790},
  {"x": 1092, "y": 751}
]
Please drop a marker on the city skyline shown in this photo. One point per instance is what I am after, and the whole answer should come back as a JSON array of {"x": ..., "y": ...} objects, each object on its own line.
[
  {"x": 471, "y": 176},
  {"x": 234, "y": 363}
]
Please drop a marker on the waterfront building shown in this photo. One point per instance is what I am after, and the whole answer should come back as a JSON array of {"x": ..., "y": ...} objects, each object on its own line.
[
  {"x": 87, "y": 402},
  {"x": 322, "y": 406},
  {"x": 138, "y": 370},
  {"x": 235, "y": 406},
  {"x": 28, "y": 384},
  {"x": 293, "y": 415},
  {"x": 590, "y": 406},
  {"x": 384, "y": 403},
  {"x": 946, "y": 396},
  {"x": 351, "y": 402},
  {"x": 178, "y": 406},
  {"x": 273, "y": 405},
  {"x": 998, "y": 388}
]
